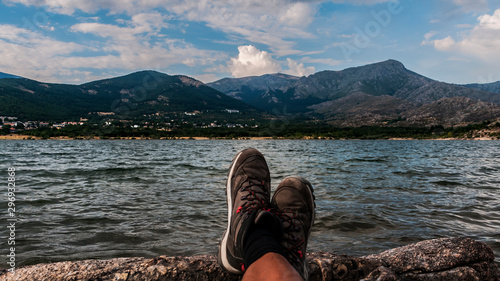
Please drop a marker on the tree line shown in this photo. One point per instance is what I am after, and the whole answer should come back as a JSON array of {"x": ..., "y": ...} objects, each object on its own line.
[{"x": 297, "y": 130}]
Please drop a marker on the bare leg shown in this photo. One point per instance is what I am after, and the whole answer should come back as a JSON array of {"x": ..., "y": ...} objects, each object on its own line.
[{"x": 271, "y": 267}]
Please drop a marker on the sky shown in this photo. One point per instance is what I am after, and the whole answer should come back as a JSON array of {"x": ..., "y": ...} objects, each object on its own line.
[{"x": 78, "y": 41}]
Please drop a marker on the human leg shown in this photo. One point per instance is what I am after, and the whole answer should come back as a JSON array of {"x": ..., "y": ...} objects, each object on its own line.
[
  {"x": 271, "y": 267},
  {"x": 254, "y": 239},
  {"x": 248, "y": 191},
  {"x": 294, "y": 203}
]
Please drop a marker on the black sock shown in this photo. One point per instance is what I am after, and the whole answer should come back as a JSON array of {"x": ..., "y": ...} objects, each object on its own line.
[{"x": 263, "y": 238}]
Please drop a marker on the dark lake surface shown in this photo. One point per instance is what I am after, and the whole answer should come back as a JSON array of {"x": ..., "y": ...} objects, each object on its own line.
[{"x": 107, "y": 199}]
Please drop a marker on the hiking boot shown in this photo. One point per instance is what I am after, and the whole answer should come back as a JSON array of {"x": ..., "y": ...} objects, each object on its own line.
[
  {"x": 248, "y": 190},
  {"x": 294, "y": 204}
]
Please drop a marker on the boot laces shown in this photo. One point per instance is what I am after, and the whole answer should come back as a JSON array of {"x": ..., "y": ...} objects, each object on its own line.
[
  {"x": 294, "y": 243},
  {"x": 256, "y": 197}
]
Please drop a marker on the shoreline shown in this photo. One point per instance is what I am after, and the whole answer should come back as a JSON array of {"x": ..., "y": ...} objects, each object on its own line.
[{"x": 28, "y": 137}]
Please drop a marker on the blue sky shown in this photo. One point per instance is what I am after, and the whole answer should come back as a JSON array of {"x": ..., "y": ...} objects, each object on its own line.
[{"x": 455, "y": 41}]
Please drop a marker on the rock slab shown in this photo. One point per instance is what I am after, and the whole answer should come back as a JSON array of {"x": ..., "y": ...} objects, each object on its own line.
[{"x": 440, "y": 260}]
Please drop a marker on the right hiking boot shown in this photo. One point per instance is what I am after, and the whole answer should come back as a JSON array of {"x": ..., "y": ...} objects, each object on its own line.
[
  {"x": 248, "y": 191},
  {"x": 294, "y": 204}
]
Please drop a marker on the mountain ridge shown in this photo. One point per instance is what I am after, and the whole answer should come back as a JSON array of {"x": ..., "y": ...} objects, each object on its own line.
[
  {"x": 134, "y": 95},
  {"x": 493, "y": 87},
  {"x": 7, "y": 75},
  {"x": 381, "y": 92}
]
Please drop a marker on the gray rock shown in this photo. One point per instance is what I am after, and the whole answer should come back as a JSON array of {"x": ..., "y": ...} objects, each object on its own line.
[{"x": 440, "y": 259}]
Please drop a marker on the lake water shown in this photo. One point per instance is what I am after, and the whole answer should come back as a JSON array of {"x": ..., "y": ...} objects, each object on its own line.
[{"x": 107, "y": 199}]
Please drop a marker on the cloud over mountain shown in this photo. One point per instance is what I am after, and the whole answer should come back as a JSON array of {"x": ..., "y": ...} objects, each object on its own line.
[
  {"x": 482, "y": 41},
  {"x": 252, "y": 62},
  {"x": 298, "y": 69}
]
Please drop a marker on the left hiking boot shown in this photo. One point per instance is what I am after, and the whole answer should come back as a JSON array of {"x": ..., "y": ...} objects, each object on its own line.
[
  {"x": 248, "y": 190},
  {"x": 294, "y": 204}
]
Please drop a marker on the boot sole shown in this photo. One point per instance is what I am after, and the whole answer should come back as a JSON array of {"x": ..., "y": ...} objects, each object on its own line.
[{"x": 222, "y": 256}]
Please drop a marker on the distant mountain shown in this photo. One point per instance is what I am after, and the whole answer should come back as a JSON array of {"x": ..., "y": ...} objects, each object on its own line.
[
  {"x": 264, "y": 82},
  {"x": 6, "y": 75},
  {"x": 132, "y": 96},
  {"x": 367, "y": 95},
  {"x": 154, "y": 91},
  {"x": 384, "y": 93},
  {"x": 265, "y": 92},
  {"x": 453, "y": 111},
  {"x": 489, "y": 87}
]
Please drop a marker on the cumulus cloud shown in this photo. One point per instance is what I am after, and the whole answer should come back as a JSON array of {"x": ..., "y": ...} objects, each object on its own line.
[
  {"x": 298, "y": 69},
  {"x": 482, "y": 41},
  {"x": 252, "y": 62},
  {"x": 490, "y": 22}
]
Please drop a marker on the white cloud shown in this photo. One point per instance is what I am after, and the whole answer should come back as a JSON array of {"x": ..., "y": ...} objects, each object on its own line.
[
  {"x": 189, "y": 7},
  {"x": 29, "y": 54},
  {"x": 273, "y": 23},
  {"x": 328, "y": 61},
  {"x": 430, "y": 34},
  {"x": 490, "y": 22},
  {"x": 276, "y": 23},
  {"x": 207, "y": 77},
  {"x": 362, "y": 2},
  {"x": 90, "y": 6},
  {"x": 471, "y": 5},
  {"x": 252, "y": 62},
  {"x": 145, "y": 23},
  {"x": 298, "y": 69},
  {"x": 106, "y": 30},
  {"x": 298, "y": 14},
  {"x": 130, "y": 47},
  {"x": 444, "y": 44},
  {"x": 482, "y": 41}
]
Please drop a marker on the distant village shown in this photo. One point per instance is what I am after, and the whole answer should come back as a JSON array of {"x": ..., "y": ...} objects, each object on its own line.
[{"x": 16, "y": 126}]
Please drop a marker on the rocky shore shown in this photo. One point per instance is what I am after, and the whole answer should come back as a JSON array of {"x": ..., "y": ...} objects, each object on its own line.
[{"x": 440, "y": 259}]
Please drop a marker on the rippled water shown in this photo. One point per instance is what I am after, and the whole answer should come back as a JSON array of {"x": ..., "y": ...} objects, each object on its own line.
[{"x": 105, "y": 199}]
